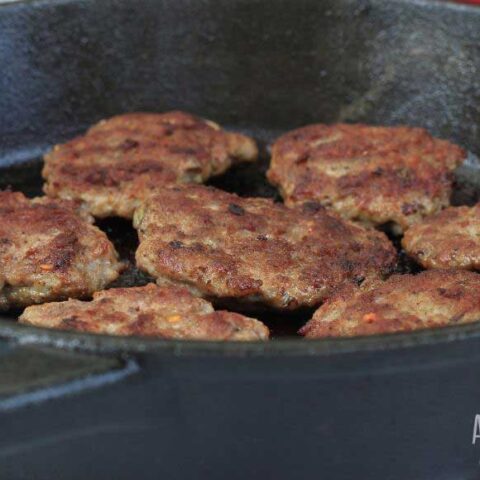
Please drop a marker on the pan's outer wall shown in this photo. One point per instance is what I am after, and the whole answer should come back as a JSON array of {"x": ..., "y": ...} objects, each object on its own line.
[
  {"x": 276, "y": 65},
  {"x": 259, "y": 418},
  {"x": 399, "y": 414}
]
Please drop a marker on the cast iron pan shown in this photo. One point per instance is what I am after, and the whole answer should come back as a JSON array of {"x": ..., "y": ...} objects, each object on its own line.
[
  {"x": 258, "y": 67},
  {"x": 64, "y": 69}
]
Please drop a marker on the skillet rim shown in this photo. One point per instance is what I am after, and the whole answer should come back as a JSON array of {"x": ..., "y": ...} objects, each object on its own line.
[
  {"x": 453, "y": 4},
  {"x": 26, "y": 335},
  {"x": 434, "y": 3}
]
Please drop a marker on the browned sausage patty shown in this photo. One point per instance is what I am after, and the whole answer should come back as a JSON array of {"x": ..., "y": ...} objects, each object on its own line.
[
  {"x": 434, "y": 298},
  {"x": 450, "y": 239},
  {"x": 168, "y": 312},
  {"x": 121, "y": 160},
  {"x": 49, "y": 250},
  {"x": 224, "y": 246},
  {"x": 371, "y": 174}
]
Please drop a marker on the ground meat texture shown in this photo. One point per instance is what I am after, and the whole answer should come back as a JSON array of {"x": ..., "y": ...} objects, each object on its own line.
[
  {"x": 253, "y": 251},
  {"x": 375, "y": 175},
  {"x": 434, "y": 298},
  {"x": 450, "y": 239},
  {"x": 49, "y": 250},
  {"x": 121, "y": 160},
  {"x": 167, "y": 312}
]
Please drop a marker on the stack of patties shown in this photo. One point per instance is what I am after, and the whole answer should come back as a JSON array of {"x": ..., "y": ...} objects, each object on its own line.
[
  {"x": 111, "y": 170},
  {"x": 320, "y": 250},
  {"x": 399, "y": 178}
]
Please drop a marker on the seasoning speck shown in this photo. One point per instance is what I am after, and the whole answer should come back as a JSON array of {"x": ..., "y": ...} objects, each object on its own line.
[
  {"x": 47, "y": 267},
  {"x": 359, "y": 279},
  {"x": 369, "y": 317},
  {"x": 236, "y": 209},
  {"x": 409, "y": 208},
  {"x": 302, "y": 158},
  {"x": 312, "y": 207},
  {"x": 129, "y": 144}
]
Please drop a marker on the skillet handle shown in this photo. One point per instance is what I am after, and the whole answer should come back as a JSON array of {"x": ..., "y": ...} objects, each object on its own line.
[{"x": 30, "y": 375}]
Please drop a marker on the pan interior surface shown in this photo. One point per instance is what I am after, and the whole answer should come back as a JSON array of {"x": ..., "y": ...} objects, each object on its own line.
[{"x": 252, "y": 68}]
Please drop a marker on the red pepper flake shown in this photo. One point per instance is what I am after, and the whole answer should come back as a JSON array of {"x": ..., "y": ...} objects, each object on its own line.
[
  {"x": 369, "y": 317},
  {"x": 47, "y": 267}
]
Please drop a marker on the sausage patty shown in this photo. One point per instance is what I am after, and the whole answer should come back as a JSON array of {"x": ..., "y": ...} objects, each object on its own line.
[
  {"x": 168, "y": 312},
  {"x": 371, "y": 174},
  {"x": 49, "y": 250},
  {"x": 450, "y": 239},
  {"x": 434, "y": 298},
  {"x": 121, "y": 160},
  {"x": 253, "y": 250}
]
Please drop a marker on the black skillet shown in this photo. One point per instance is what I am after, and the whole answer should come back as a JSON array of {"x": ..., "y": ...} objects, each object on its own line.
[{"x": 76, "y": 406}]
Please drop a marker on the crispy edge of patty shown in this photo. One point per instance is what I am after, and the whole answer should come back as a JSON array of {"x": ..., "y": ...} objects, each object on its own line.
[
  {"x": 223, "y": 246},
  {"x": 150, "y": 149},
  {"x": 165, "y": 312},
  {"x": 50, "y": 250},
  {"x": 403, "y": 303},
  {"x": 408, "y": 178},
  {"x": 449, "y": 239}
]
